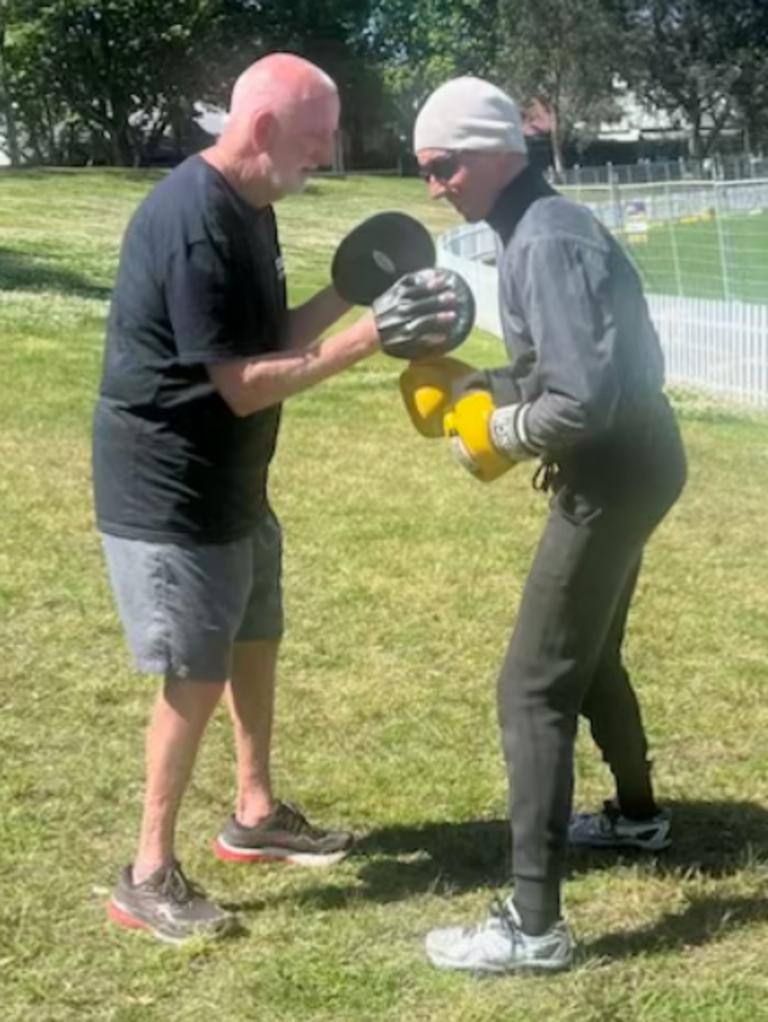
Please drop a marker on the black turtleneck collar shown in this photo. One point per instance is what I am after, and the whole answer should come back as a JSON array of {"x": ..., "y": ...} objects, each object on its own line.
[{"x": 520, "y": 193}]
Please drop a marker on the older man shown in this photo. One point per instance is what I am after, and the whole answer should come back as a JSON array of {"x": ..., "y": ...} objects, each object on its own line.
[
  {"x": 201, "y": 351},
  {"x": 583, "y": 393}
]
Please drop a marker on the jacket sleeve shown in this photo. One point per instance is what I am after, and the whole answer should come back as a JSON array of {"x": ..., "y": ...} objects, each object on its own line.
[
  {"x": 500, "y": 382},
  {"x": 565, "y": 292}
]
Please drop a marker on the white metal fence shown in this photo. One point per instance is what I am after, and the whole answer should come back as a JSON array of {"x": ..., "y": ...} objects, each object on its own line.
[
  {"x": 715, "y": 345},
  {"x": 715, "y": 168},
  {"x": 617, "y": 204}
]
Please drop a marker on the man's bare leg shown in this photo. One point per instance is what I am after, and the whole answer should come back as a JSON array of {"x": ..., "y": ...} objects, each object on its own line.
[
  {"x": 250, "y": 697},
  {"x": 263, "y": 829},
  {"x": 179, "y": 717}
]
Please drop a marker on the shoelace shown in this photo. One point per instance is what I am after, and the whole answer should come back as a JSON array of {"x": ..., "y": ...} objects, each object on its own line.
[
  {"x": 291, "y": 818},
  {"x": 500, "y": 912},
  {"x": 178, "y": 887}
]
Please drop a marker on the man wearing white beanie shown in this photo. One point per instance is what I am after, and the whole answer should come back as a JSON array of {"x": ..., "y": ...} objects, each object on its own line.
[{"x": 582, "y": 393}]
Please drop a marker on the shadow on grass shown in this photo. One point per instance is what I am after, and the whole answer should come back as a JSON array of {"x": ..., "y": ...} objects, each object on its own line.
[
  {"x": 716, "y": 839},
  {"x": 21, "y": 272},
  {"x": 442, "y": 857},
  {"x": 703, "y": 921}
]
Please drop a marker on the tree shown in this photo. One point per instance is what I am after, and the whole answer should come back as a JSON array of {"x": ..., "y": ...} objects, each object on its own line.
[
  {"x": 751, "y": 100},
  {"x": 563, "y": 56},
  {"x": 420, "y": 43},
  {"x": 107, "y": 74},
  {"x": 332, "y": 33},
  {"x": 10, "y": 12},
  {"x": 698, "y": 58}
]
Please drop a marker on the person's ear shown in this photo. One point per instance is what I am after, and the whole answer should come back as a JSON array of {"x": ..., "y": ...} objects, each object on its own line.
[{"x": 264, "y": 130}]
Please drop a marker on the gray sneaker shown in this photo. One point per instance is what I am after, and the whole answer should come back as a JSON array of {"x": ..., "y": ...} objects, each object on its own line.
[
  {"x": 499, "y": 945},
  {"x": 168, "y": 905},
  {"x": 609, "y": 829},
  {"x": 284, "y": 836}
]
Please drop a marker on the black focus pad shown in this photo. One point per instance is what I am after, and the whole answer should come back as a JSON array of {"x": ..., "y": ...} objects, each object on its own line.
[
  {"x": 408, "y": 314},
  {"x": 377, "y": 253}
]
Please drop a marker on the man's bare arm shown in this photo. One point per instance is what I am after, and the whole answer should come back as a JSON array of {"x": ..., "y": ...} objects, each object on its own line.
[
  {"x": 308, "y": 321},
  {"x": 250, "y": 384}
]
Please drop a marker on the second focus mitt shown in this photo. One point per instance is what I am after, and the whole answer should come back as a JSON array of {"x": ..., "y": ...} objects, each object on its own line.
[{"x": 380, "y": 250}]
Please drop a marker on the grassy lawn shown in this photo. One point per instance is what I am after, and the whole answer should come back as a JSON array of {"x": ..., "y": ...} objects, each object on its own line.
[{"x": 402, "y": 579}]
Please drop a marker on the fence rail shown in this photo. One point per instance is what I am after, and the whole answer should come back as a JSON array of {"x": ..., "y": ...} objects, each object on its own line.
[
  {"x": 714, "y": 345},
  {"x": 716, "y": 168}
]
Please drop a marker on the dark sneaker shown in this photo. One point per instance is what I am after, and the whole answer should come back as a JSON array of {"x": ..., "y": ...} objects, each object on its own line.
[
  {"x": 609, "y": 829},
  {"x": 284, "y": 836},
  {"x": 498, "y": 945},
  {"x": 168, "y": 905}
]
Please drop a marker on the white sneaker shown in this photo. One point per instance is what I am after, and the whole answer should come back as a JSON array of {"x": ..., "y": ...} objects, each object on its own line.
[
  {"x": 609, "y": 829},
  {"x": 498, "y": 945}
]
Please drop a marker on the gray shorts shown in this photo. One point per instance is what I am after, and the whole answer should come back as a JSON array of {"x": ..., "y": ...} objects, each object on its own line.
[{"x": 183, "y": 607}]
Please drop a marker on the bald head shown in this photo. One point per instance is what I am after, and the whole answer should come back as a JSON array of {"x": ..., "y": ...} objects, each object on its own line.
[
  {"x": 279, "y": 84},
  {"x": 282, "y": 123}
]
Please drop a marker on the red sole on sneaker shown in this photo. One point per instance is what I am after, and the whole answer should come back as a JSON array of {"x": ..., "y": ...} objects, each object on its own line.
[
  {"x": 123, "y": 918},
  {"x": 227, "y": 853},
  {"x": 230, "y": 855}
]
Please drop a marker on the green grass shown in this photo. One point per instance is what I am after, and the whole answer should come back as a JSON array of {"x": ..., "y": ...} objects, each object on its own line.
[
  {"x": 402, "y": 578},
  {"x": 718, "y": 258},
  {"x": 711, "y": 256}
]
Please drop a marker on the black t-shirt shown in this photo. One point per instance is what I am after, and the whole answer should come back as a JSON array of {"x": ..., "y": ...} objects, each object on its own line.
[{"x": 200, "y": 281}]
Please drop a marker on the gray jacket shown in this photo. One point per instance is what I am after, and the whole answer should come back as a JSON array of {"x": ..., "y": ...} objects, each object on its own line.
[{"x": 585, "y": 357}]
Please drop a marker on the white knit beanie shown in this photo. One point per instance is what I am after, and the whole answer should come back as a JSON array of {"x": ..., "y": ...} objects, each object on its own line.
[{"x": 469, "y": 113}]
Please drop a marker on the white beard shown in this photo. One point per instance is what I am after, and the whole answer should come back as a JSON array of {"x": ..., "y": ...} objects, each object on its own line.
[{"x": 289, "y": 184}]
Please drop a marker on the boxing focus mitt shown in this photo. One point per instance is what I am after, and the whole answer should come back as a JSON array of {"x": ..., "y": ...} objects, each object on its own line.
[
  {"x": 408, "y": 315},
  {"x": 380, "y": 250}
]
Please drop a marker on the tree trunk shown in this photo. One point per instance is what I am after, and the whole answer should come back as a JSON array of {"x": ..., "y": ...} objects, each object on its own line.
[
  {"x": 9, "y": 115},
  {"x": 718, "y": 123},
  {"x": 355, "y": 138},
  {"x": 11, "y": 133},
  {"x": 557, "y": 145},
  {"x": 124, "y": 153},
  {"x": 695, "y": 141}
]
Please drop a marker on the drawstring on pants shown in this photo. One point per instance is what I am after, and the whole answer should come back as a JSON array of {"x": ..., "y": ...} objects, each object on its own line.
[{"x": 545, "y": 476}]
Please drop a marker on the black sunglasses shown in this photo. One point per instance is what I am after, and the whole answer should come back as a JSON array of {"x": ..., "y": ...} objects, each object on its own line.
[{"x": 442, "y": 168}]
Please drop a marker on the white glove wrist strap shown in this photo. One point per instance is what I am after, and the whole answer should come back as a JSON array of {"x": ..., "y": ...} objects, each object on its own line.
[{"x": 509, "y": 433}]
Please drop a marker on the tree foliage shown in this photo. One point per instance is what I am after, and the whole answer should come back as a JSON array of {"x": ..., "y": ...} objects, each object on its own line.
[
  {"x": 109, "y": 75},
  {"x": 702, "y": 59},
  {"x": 420, "y": 43},
  {"x": 564, "y": 56},
  {"x": 113, "y": 75},
  {"x": 103, "y": 80}
]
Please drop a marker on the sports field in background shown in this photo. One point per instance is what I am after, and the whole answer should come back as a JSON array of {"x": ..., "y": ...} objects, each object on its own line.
[
  {"x": 719, "y": 251},
  {"x": 402, "y": 579},
  {"x": 722, "y": 257}
]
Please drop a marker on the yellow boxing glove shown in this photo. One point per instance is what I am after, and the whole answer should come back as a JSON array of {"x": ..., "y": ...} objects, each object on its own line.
[
  {"x": 427, "y": 390},
  {"x": 468, "y": 427}
]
